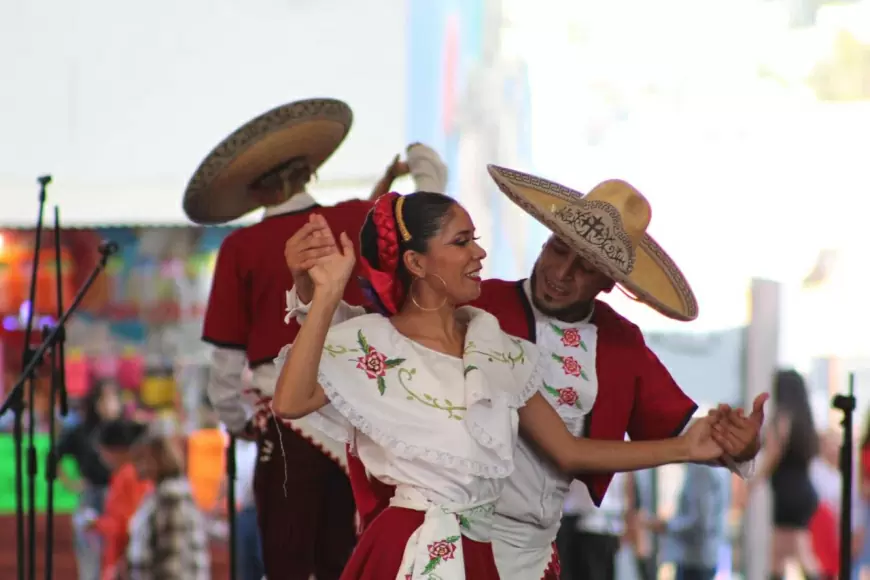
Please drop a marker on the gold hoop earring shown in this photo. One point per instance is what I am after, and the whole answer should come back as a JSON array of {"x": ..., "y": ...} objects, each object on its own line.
[{"x": 417, "y": 304}]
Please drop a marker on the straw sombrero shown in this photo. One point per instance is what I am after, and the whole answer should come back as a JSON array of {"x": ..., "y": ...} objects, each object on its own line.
[
  {"x": 313, "y": 129},
  {"x": 607, "y": 227}
]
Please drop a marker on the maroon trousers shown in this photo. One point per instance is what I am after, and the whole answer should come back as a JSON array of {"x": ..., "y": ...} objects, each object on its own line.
[{"x": 309, "y": 530}]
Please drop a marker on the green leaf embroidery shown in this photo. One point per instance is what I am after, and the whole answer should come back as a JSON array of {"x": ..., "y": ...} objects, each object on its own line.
[
  {"x": 361, "y": 339},
  {"x": 509, "y": 358},
  {"x": 463, "y": 522},
  {"x": 452, "y": 539},
  {"x": 557, "y": 330},
  {"x": 406, "y": 375},
  {"x": 551, "y": 390},
  {"x": 468, "y": 369},
  {"x": 393, "y": 362},
  {"x": 583, "y": 346},
  {"x": 583, "y": 374},
  {"x": 382, "y": 386},
  {"x": 557, "y": 358},
  {"x": 430, "y": 567}
]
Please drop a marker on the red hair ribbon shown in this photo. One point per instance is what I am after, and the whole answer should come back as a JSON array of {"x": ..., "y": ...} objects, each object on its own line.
[{"x": 383, "y": 280}]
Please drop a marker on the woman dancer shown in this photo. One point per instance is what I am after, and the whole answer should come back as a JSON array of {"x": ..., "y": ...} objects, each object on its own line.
[
  {"x": 431, "y": 396},
  {"x": 788, "y": 451}
]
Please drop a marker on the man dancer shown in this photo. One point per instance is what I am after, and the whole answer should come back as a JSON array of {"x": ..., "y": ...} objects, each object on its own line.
[
  {"x": 305, "y": 506},
  {"x": 599, "y": 240}
]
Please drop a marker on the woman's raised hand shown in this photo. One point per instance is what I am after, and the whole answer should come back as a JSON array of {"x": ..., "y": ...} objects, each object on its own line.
[
  {"x": 331, "y": 271},
  {"x": 312, "y": 241}
]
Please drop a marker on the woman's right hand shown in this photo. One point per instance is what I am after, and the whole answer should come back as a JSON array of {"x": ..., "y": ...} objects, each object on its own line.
[
  {"x": 331, "y": 272},
  {"x": 312, "y": 241}
]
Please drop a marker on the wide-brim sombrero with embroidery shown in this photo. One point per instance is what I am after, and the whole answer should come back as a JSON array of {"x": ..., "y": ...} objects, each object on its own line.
[
  {"x": 312, "y": 129},
  {"x": 607, "y": 227}
]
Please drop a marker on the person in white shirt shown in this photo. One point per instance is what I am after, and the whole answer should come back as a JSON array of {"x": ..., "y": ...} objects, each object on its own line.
[{"x": 586, "y": 344}]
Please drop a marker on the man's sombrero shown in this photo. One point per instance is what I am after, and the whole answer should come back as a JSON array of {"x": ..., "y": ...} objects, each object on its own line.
[
  {"x": 607, "y": 227},
  {"x": 311, "y": 129}
]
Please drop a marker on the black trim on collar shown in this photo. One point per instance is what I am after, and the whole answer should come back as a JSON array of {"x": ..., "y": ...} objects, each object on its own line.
[{"x": 528, "y": 311}]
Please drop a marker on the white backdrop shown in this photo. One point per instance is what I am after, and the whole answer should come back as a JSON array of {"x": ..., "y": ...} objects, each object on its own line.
[{"x": 120, "y": 101}]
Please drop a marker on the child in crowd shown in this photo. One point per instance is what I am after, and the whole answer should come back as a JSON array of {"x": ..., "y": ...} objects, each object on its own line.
[
  {"x": 168, "y": 536},
  {"x": 124, "y": 495}
]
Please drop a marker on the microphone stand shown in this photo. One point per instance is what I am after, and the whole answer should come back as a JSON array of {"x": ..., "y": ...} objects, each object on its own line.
[
  {"x": 846, "y": 404},
  {"x": 15, "y": 403},
  {"x": 231, "y": 503},
  {"x": 58, "y": 395},
  {"x": 106, "y": 249}
]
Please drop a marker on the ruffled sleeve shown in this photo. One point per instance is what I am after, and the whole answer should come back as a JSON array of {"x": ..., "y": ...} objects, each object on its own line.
[
  {"x": 499, "y": 380},
  {"x": 297, "y": 309},
  {"x": 327, "y": 419}
]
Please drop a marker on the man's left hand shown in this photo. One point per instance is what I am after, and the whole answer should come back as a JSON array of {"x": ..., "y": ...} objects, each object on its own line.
[{"x": 737, "y": 434}]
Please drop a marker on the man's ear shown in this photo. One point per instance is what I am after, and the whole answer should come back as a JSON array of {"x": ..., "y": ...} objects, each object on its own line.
[
  {"x": 609, "y": 286},
  {"x": 413, "y": 263}
]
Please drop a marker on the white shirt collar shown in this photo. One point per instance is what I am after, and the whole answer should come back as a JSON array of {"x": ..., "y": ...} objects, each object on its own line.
[
  {"x": 527, "y": 288},
  {"x": 297, "y": 202}
]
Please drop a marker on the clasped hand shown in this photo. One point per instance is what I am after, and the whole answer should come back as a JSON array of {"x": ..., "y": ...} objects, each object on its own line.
[
  {"x": 317, "y": 262},
  {"x": 727, "y": 431}
]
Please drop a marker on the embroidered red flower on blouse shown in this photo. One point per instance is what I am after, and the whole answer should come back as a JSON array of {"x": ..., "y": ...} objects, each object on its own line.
[
  {"x": 442, "y": 550},
  {"x": 373, "y": 363}
]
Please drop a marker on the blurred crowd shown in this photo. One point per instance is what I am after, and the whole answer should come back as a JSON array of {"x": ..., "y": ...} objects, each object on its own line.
[
  {"x": 152, "y": 499},
  {"x": 701, "y": 536},
  {"x": 134, "y": 470}
]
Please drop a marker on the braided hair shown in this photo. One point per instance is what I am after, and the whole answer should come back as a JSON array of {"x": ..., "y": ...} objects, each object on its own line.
[{"x": 383, "y": 242}]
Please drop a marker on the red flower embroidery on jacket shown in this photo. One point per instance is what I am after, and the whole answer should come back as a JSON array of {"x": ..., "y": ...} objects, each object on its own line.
[
  {"x": 570, "y": 366},
  {"x": 570, "y": 336},
  {"x": 564, "y": 396}
]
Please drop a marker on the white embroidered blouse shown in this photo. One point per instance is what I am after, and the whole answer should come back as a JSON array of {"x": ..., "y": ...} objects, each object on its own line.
[{"x": 442, "y": 429}]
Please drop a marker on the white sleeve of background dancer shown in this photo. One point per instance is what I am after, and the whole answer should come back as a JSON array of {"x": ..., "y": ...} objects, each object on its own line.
[
  {"x": 224, "y": 388},
  {"x": 427, "y": 169},
  {"x": 744, "y": 469},
  {"x": 299, "y": 310}
]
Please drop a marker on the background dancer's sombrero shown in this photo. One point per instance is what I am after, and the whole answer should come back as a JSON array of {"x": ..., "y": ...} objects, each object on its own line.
[
  {"x": 607, "y": 227},
  {"x": 306, "y": 131}
]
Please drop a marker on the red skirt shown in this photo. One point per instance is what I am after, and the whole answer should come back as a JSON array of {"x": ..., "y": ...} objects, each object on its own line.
[
  {"x": 370, "y": 495},
  {"x": 378, "y": 555},
  {"x": 825, "y": 537}
]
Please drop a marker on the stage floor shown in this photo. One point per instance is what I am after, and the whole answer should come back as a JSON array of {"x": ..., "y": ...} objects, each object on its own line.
[{"x": 64, "y": 563}]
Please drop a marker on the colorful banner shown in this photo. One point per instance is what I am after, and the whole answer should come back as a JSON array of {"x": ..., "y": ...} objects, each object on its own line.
[
  {"x": 65, "y": 501},
  {"x": 472, "y": 103}
]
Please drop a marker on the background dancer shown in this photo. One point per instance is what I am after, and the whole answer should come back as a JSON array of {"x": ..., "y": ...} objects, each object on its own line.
[{"x": 305, "y": 510}]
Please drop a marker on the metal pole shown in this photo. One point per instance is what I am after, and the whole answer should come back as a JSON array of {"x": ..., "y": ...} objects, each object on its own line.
[{"x": 762, "y": 357}]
